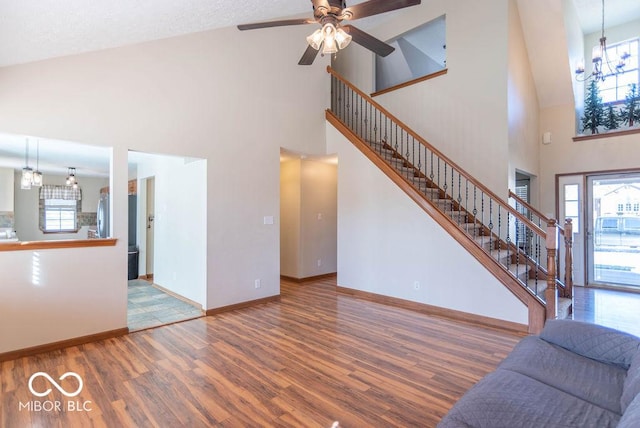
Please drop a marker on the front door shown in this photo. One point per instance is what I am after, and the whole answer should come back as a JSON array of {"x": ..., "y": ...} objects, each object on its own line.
[{"x": 571, "y": 198}]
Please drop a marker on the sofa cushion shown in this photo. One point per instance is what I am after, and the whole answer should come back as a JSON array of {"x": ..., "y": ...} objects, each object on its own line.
[
  {"x": 590, "y": 380},
  {"x": 593, "y": 341},
  {"x": 509, "y": 399},
  {"x": 631, "y": 418},
  {"x": 631, "y": 388}
]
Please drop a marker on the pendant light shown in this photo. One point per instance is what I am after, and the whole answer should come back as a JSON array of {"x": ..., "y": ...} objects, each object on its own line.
[
  {"x": 27, "y": 173},
  {"x": 71, "y": 178},
  {"x": 36, "y": 179}
]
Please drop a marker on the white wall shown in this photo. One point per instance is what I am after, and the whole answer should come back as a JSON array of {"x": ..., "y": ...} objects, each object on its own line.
[
  {"x": 308, "y": 199},
  {"x": 386, "y": 243},
  {"x": 463, "y": 113},
  {"x": 180, "y": 224},
  {"x": 27, "y": 213},
  {"x": 37, "y": 307},
  {"x": 233, "y": 104},
  {"x": 318, "y": 212},
  {"x": 522, "y": 106}
]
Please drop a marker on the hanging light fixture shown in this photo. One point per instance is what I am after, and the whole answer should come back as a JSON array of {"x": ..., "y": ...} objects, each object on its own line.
[
  {"x": 602, "y": 65},
  {"x": 36, "y": 179},
  {"x": 330, "y": 37},
  {"x": 27, "y": 173},
  {"x": 71, "y": 178}
]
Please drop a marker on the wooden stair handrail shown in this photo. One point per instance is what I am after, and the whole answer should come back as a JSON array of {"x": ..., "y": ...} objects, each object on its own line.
[
  {"x": 539, "y": 231},
  {"x": 530, "y": 207},
  {"x": 536, "y": 307},
  {"x": 566, "y": 233}
]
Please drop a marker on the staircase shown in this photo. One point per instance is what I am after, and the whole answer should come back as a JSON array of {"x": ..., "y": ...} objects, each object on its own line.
[{"x": 523, "y": 253}]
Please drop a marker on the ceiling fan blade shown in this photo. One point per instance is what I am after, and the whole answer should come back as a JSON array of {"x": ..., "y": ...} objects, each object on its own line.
[
  {"x": 308, "y": 56},
  {"x": 368, "y": 41},
  {"x": 374, "y": 7},
  {"x": 280, "y": 23}
]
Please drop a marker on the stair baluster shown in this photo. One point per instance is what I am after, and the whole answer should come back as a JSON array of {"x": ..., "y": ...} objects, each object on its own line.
[{"x": 488, "y": 222}]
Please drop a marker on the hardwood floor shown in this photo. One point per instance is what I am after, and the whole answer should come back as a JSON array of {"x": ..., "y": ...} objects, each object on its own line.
[{"x": 311, "y": 359}]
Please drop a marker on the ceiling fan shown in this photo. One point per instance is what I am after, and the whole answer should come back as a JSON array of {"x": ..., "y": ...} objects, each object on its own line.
[{"x": 333, "y": 36}]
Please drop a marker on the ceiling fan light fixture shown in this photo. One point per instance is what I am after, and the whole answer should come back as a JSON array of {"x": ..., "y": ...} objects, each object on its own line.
[
  {"x": 329, "y": 33},
  {"x": 315, "y": 39},
  {"x": 342, "y": 38}
]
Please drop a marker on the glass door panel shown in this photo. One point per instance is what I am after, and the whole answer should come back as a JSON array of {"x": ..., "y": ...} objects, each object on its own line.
[{"x": 614, "y": 227}]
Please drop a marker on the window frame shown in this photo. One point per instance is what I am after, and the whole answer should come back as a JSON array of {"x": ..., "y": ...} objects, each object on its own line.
[
  {"x": 620, "y": 89},
  {"x": 59, "y": 209}
]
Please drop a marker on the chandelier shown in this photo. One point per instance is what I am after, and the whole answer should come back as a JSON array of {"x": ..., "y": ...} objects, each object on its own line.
[
  {"x": 603, "y": 66},
  {"x": 330, "y": 37}
]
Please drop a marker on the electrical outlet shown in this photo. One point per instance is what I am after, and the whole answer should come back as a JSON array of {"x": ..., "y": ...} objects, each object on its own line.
[
  {"x": 319, "y": 262},
  {"x": 416, "y": 285},
  {"x": 257, "y": 283}
]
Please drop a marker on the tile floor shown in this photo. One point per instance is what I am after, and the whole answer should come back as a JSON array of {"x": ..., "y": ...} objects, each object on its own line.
[
  {"x": 611, "y": 308},
  {"x": 150, "y": 307}
]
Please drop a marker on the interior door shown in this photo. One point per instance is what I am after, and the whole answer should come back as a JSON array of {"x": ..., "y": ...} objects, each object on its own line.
[
  {"x": 571, "y": 205},
  {"x": 150, "y": 225}
]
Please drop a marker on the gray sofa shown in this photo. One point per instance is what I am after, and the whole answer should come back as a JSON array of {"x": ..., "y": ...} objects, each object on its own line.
[{"x": 573, "y": 375}]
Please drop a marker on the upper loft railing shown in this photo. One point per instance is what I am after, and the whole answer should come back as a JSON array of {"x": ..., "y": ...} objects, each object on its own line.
[{"x": 521, "y": 248}]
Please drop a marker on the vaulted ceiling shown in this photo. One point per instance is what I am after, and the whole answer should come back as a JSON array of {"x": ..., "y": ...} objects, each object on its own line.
[{"x": 33, "y": 30}]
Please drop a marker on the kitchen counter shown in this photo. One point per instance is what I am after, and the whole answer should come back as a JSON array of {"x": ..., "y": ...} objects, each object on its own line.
[{"x": 16, "y": 245}]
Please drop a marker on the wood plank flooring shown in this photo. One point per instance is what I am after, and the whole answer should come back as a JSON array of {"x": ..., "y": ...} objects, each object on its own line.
[{"x": 311, "y": 359}]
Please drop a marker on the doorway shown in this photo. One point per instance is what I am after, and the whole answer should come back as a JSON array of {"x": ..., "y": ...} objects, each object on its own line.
[
  {"x": 613, "y": 226},
  {"x": 173, "y": 269},
  {"x": 605, "y": 212}
]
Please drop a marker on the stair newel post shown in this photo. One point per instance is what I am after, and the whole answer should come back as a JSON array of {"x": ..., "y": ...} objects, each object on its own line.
[
  {"x": 568, "y": 257},
  {"x": 551, "y": 293}
]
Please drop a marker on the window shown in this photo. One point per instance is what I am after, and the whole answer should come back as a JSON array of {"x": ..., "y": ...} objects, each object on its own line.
[
  {"x": 572, "y": 204},
  {"x": 60, "y": 215},
  {"x": 614, "y": 87},
  {"x": 59, "y": 209},
  {"x": 632, "y": 225}
]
